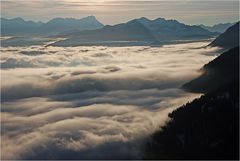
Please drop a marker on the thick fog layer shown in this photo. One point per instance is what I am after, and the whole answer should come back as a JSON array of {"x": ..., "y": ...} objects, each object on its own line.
[{"x": 91, "y": 102}]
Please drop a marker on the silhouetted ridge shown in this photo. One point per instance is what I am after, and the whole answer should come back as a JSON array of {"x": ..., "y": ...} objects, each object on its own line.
[
  {"x": 221, "y": 71},
  {"x": 206, "y": 128},
  {"x": 228, "y": 39}
]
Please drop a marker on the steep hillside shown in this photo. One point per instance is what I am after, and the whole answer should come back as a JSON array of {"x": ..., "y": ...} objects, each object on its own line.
[
  {"x": 206, "y": 128},
  {"x": 228, "y": 39},
  {"x": 220, "y": 71}
]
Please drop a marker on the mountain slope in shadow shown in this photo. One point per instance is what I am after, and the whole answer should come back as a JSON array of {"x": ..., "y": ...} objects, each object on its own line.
[
  {"x": 206, "y": 128},
  {"x": 228, "y": 39},
  {"x": 221, "y": 27},
  {"x": 219, "y": 72}
]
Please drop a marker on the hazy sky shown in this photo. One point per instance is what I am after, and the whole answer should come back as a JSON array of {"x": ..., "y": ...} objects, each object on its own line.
[{"x": 117, "y": 11}]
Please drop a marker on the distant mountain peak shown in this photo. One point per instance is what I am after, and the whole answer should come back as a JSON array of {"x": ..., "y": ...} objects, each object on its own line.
[
  {"x": 90, "y": 17},
  {"x": 220, "y": 27},
  {"x": 143, "y": 19},
  {"x": 18, "y": 19},
  {"x": 160, "y": 19},
  {"x": 18, "y": 26},
  {"x": 55, "y": 19}
]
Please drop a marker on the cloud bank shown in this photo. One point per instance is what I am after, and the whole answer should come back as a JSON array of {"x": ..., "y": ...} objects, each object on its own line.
[{"x": 91, "y": 102}]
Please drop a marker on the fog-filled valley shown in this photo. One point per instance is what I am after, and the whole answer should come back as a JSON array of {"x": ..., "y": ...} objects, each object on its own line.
[
  {"x": 80, "y": 102},
  {"x": 119, "y": 80}
]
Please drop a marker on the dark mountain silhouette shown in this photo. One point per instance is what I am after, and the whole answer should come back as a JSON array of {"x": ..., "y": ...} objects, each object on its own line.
[
  {"x": 220, "y": 71},
  {"x": 20, "y": 27},
  {"x": 141, "y": 31},
  {"x": 220, "y": 28},
  {"x": 228, "y": 39},
  {"x": 208, "y": 127}
]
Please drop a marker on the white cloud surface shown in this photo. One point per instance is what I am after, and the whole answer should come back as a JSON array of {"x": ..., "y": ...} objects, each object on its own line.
[{"x": 91, "y": 102}]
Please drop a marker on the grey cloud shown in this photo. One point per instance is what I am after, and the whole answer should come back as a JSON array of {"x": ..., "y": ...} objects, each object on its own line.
[
  {"x": 101, "y": 55},
  {"x": 15, "y": 63},
  {"x": 63, "y": 85},
  {"x": 88, "y": 127}
]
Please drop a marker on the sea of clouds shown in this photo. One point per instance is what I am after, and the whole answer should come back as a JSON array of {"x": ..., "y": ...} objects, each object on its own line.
[{"x": 92, "y": 102}]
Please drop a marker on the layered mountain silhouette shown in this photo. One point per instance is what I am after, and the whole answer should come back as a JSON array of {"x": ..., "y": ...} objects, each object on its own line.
[
  {"x": 228, "y": 39},
  {"x": 20, "y": 27},
  {"x": 139, "y": 31},
  {"x": 221, "y": 27}
]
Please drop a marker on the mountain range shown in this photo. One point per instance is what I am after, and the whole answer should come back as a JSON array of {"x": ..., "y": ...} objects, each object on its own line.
[
  {"x": 20, "y": 27},
  {"x": 221, "y": 27},
  {"x": 137, "y": 31},
  {"x": 89, "y": 31}
]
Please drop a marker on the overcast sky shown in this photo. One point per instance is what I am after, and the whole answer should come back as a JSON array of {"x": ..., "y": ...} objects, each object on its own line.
[{"x": 117, "y": 11}]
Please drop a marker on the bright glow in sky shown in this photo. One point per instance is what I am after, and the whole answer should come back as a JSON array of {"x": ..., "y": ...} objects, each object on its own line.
[{"x": 113, "y": 11}]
